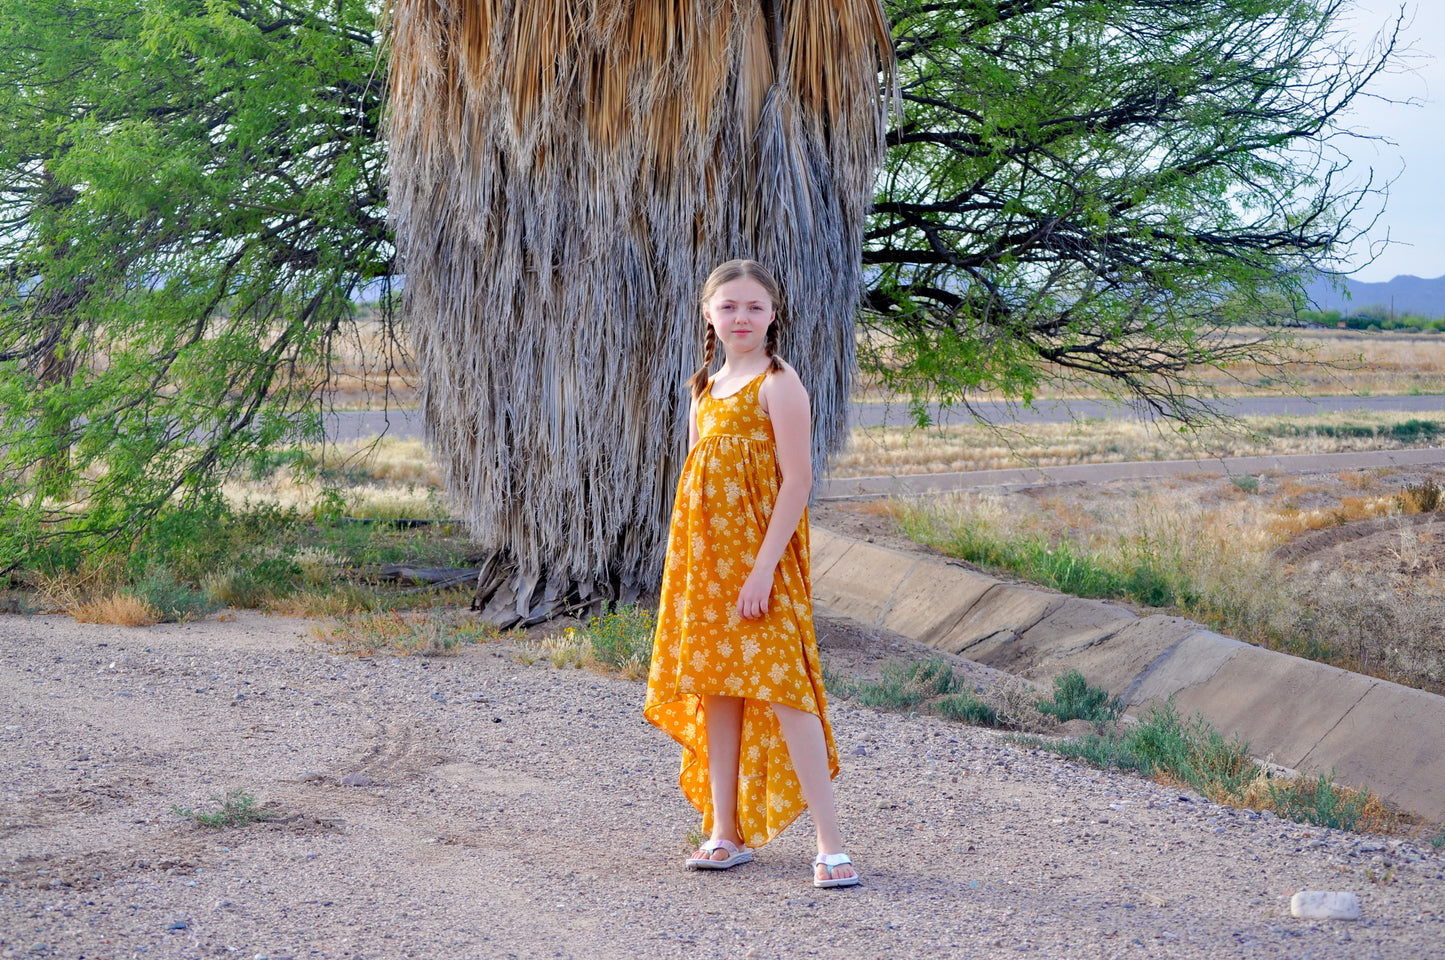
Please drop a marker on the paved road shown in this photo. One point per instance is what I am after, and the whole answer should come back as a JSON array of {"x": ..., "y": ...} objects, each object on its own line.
[
  {"x": 352, "y": 425},
  {"x": 862, "y": 488}
]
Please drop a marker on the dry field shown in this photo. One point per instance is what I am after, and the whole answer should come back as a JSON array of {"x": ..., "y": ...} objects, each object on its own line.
[
  {"x": 1324, "y": 363},
  {"x": 1329, "y": 363},
  {"x": 1347, "y": 568},
  {"x": 885, "y": 451}
]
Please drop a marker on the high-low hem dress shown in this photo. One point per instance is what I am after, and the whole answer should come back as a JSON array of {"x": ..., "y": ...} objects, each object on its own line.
[{"x": 702, "y": 646}]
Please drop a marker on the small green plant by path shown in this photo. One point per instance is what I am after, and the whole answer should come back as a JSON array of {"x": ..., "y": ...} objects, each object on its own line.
[
  {"x": 619, "y": 641},
  {"x": 1245, "y": 483},
  {"x": 622, "y": 638},
  {"x": 1193, "y": 753},
  {"x": 175, "y": 602},
  {"x": 1074, "y": 699},
  {"x": 928, "y": 687},
  {"x": 236, "y": 809}
]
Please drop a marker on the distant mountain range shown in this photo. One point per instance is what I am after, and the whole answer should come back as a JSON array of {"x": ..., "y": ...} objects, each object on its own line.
[{"x": 1404, "y": 295}]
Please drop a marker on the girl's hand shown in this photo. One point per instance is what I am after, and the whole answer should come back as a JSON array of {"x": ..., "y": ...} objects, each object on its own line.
[{"x": 753, "y": 598}]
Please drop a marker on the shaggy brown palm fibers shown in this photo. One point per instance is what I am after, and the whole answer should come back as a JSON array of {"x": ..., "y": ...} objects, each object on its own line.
[{"x": 563, "y": 177}]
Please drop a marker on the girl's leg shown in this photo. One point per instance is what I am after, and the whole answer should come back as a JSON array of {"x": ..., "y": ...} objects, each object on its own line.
[
  {"x": 724, "y": 720},
  {"x": 808, "y": 751}
]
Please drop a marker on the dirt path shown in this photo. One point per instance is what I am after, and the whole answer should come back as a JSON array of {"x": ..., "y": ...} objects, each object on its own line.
[{"x": 504, "y": 810}]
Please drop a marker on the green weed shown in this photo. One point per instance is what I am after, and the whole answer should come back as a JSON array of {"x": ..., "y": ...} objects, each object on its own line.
[
  {"x": 174, "y": 602},
  {"x": 617, "y": 641},
  {"x": 622, "y": 639},
  {"x": 1074, "y": 699},
  {"x": 927, "y": 687},
  {"x": 1193, "y": 753},
  {"x": 1321, "y": 800},
  {"x": 236, "y": 809},
  {"x": 1136, "y": 574}
]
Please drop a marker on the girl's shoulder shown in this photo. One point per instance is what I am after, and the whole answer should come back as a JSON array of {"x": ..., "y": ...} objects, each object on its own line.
[
  {"x": 786, "y": 377},
  {"x": 782, "y": 390}
]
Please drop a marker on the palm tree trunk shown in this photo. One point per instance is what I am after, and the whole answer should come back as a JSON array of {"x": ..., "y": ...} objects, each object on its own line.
[{"x": 563, "y": 177}]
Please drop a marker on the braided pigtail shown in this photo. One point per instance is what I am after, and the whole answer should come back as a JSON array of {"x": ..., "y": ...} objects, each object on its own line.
[
  {"x": 770, "y": 346},
  {"x": 698, "y": 383}
]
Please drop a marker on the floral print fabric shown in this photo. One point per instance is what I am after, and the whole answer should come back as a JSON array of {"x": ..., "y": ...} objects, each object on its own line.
[{"x": 724, "y": 499}]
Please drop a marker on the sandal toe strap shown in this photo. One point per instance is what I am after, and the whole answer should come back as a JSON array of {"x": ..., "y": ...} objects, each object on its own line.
[{"x": 831, "y": 860}]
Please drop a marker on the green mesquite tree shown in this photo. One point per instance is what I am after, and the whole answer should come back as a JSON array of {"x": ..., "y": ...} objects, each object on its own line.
[
  {"x": 192, "y": 190},
  {"x": 1083, "y": 191},
  {"x": 190, "y": 193}
]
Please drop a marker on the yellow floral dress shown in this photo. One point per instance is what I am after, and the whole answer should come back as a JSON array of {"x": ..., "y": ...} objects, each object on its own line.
[{"x": 726, "y": 495}]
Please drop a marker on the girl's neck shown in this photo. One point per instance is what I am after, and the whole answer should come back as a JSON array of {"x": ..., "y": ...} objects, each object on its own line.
[{"x": 746, "y": 368}]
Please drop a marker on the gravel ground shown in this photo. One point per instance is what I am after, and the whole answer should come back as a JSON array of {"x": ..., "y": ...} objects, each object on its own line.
[{"x": 472, "y": 806}]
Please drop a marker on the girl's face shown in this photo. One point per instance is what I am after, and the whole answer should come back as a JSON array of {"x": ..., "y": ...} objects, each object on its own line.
[{"x": 740, "y": 311}]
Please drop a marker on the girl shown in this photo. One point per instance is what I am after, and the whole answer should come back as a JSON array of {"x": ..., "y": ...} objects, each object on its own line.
[{"x": 735, "y": 673}]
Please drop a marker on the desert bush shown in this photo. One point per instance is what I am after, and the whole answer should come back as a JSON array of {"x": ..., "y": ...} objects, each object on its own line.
[
  {"x": 929, "y": 686},
  {"x": 621, "y": 639},
  {"x": 173, "y": 601},
  {"x": 255, "y": 584},
  {"x": 117, "y": 609},
  {"x": 1422, "y": 497},
  {"x": 1320, "y": 800},
  {"x": 1167, "y": 747},
  {"x": 236, "y": 809},
  {"x": 1074, "y": 699}
]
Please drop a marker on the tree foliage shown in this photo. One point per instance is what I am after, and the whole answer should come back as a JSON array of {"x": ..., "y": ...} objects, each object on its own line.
[
  {"x": 190, "y": 194},
  {"x": 192, "y": 190},
  {"x": 1083, "y": 191}
]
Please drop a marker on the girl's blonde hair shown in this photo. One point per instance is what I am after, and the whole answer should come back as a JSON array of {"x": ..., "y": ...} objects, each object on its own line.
[{"x": 727, "y": 273}]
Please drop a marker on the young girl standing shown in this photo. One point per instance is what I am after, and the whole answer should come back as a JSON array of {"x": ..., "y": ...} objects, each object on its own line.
[{"x": 735, "y": 672}]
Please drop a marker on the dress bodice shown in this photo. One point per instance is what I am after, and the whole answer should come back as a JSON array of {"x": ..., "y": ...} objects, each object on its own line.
[{"x": 738, "y": 415}]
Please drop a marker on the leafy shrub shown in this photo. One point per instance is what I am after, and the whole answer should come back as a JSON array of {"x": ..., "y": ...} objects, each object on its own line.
[
  {"x": 1322, "y": 801},
  {"x": 964, "y": 707},
  {"x": 622, "y": 638},
  {"x": 236, "y": 809},
  {"x": 255, "y": 584},
  {"x": 1423, "y": 497},
  {"x": 1167, "y": 747},
  {"x": 930, "y": 687},
  {"x": 1074, "y": 699},
  {"x": 173, "y": 602}
]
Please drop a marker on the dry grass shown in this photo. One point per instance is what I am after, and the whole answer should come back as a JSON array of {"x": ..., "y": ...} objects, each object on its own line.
[
  {"x": 117, "y": 609},
  {"x": 95, "y": 594},
  {"x": 965, "y": 447},
  {"x": 1329, "y": 363},
  {"x": 378, "y": 479},
  {"x": 1214, "y": 552},
  {"x": 1290, "y": 521},
  {"x": 425, "y": 634}
]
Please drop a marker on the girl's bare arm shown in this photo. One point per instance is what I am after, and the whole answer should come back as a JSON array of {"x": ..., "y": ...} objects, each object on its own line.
[
  {"x": 786, "y": 402},
  {"x": 692, "y": 432}
]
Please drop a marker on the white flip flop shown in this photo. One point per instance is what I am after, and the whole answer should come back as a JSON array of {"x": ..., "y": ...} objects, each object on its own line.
[
  {"x": 830, "y": 861},
  {"x": 736, "y": 855}
]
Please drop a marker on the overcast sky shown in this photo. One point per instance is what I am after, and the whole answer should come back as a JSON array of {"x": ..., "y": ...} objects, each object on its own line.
[{"x": 1414, "y": 215}]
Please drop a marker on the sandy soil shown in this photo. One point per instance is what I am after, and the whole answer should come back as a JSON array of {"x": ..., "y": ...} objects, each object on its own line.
[{"x": 471, "y": 806}]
